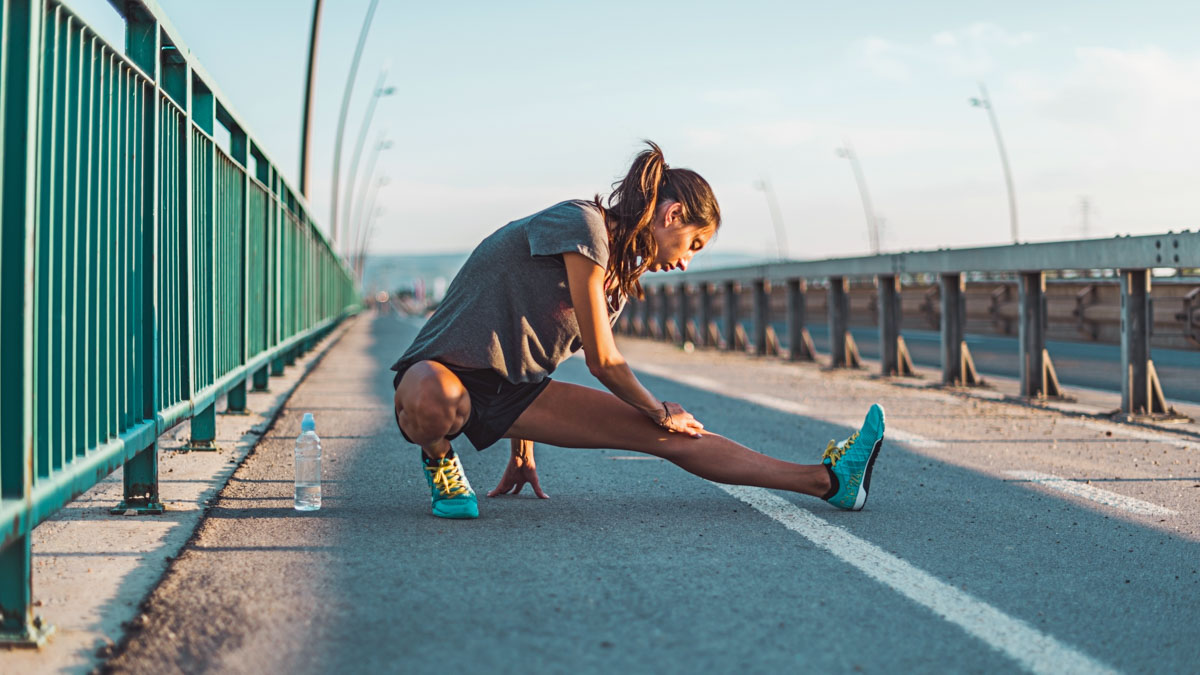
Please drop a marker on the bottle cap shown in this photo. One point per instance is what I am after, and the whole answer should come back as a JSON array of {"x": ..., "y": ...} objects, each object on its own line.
[{"x": 308, "y": 423}]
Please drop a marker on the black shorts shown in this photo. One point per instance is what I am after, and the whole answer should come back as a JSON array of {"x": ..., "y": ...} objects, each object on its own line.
[{"x": 496, "y": 403}]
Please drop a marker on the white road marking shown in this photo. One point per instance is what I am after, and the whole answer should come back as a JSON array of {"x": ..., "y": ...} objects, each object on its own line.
[
  {"x": 782, "y": 404},
  {"x": 1117, "y": 501},
  {"x": 768, "y": 401},
  {"x": 1016, "y": 639}
]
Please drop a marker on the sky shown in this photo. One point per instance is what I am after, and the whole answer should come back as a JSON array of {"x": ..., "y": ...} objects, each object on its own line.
[{"x": 503, "y": 108}]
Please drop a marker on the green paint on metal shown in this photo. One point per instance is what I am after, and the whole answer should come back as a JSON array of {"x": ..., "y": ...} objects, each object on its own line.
[
  {"x": 204, "y": 430},
  {"x": 144, "y": 271},
  {"x": 235, "y": 401},
  {"x": 141, "y": 484}
]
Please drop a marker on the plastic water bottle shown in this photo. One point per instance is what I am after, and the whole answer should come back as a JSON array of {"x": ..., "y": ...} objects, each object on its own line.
[{"x": 308, "y": 466}]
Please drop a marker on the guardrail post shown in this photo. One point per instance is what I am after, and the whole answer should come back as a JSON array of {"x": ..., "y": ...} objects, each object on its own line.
[
  {"x": 842, "y": 349},
  {"x": 705, "y": 337},
  {"x": 765, "y": 342},
  {"x": 262, "y": 379},
  {"x": 1038, "y": 379},
  {"x": 19, "y": 41},
  {"x": 958, "y": 368},
  {"x": 645, "y": 306},
  {"x": 683, "y": 314},
  {"x": 664, "y": 313},
  {"x": 893, "y": 353},
  {"x": 1141, "y": 391},
  {"x": 143, "y": 44},
  {"x": 204, "y": 428},
  {"x": 800, "y": 344},
  {"x": 731, "y": 315},
  {"x": 289, "y": 357},
  {"x": 235, "y": 400},
  {"x": 140, "y": 478}
]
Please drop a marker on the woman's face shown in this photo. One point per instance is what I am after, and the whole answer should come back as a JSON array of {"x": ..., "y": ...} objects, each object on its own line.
[{"x": 677, "y": 241}]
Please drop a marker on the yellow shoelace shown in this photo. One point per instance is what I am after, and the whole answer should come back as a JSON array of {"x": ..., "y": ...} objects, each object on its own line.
[
  {"x": 447, "y": 478},
  {"x": 834, "y": 452}
]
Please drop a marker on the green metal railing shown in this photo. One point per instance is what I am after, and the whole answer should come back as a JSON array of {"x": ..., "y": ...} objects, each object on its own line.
[{"x": 145, "y": 269}]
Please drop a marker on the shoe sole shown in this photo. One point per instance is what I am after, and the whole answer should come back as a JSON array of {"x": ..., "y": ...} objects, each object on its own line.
[
  {"x": 861, "y": 500},
  {"x": 456, "y": 516}
]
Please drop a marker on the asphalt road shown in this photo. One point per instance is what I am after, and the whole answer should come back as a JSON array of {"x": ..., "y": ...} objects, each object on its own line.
[
  {"x": 1079, "y": 364},
  {"x": 636, "y": 566}
]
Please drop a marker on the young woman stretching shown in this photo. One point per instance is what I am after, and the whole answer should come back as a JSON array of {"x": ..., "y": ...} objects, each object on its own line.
[{"x": 539, "y": 289}]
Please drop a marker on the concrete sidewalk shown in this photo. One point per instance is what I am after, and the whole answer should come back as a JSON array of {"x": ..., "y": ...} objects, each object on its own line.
[
  {"x": 637, "y": 566},
  {"x": 93, "y": 569}
]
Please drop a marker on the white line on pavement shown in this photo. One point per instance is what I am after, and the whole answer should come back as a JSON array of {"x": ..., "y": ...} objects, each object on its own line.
[
  {"x": 782, "y": 404},
  {"x": 1117, "y": 501},
  {"x": 1016, "y": 639}
]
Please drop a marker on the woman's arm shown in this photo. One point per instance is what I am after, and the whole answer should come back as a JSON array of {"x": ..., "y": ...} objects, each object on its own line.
[{"x": 586, "y": 282}]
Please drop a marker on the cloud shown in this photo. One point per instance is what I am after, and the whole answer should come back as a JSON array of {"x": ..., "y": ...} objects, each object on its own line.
[
  {"x": 751, "y": 97},
  {"x": 884, "y": 58},
  {"x": 968, "y": 51}
]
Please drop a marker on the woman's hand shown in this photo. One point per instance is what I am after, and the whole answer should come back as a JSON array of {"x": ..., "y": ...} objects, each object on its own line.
[
  {"x": 521, "y": 469},
  {"x": 675, "y": 419}
]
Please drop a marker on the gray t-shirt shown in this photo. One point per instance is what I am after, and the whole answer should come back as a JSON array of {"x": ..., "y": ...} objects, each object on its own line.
[{"x": 509, "y": 308}]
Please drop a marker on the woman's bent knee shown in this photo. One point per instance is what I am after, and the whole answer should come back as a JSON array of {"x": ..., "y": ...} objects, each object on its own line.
[{"x": 431, "y": 402}]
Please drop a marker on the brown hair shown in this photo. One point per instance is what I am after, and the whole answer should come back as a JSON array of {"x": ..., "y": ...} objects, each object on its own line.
[{"x": 631, "y": 208}]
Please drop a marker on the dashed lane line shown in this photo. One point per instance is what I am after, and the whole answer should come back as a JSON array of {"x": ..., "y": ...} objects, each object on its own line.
[
  {"x": 1016, "y": 639},
  {"x": 1116, "y": 501}
]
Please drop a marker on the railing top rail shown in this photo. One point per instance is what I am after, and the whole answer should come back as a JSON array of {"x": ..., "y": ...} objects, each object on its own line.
[
  {"x": 1172, "y": 249},
  {"x": 183, "y": 53}
]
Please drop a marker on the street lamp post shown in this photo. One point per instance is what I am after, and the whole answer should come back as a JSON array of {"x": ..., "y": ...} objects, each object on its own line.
[
  {"x": 354, "y": 221},
  {"x": 341, "y": 126},
  {"x": 847, "y": 152},
  {"x": 986, "y": 103},
  {"x": 370, "y": 213},
  {"x": 306, "y": 126},
  {"x": 776, "y": 217},
  {"x": 379, "y": 92}
]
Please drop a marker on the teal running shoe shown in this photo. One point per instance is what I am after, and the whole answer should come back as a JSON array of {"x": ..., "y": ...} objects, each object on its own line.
[
  {"x": 450, "y": 493},
  {"x": 850, "y": 462}
]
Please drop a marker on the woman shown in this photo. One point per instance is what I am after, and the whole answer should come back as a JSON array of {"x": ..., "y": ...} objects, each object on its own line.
[{"x": 541, "y": 288}]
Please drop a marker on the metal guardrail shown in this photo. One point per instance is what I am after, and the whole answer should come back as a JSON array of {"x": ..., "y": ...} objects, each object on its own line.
[
  {"x": 682, "y": 307},
  {"x": 144, "y": 272}
]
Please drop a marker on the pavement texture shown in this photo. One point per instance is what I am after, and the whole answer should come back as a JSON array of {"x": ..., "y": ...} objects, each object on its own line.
[{"x": 634, "y": 565}]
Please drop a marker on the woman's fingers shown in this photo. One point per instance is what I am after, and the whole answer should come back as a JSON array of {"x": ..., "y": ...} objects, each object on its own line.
[{"x": 537, "y": 489}]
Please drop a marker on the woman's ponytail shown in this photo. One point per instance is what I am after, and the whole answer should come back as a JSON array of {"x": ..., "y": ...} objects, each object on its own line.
[{"x": 631, "y": 208}]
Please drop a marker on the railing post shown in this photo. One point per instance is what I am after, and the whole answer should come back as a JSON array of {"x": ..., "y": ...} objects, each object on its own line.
[
  {"x": 664, "y": 313},
  {"x": 646, "y": 306},
  {"x": 140, "y": 477},
  {"x": 262, "y": 379},
  {"x": 204, "y": 428},
  {"x": 842, "y": 349},
  {"x": 799, "y": 341},
  {"x": 731, "y": 315},
  {"x": 1141, "y": 391},
  {"x": 235, "y": 400},
  {"x": 762, "y": 311},
  {"x": 682, "y": 312},
  {"x": 958, "y": 368},
  {"x": 20, "y": 33},
  {"x": 704, "y": 317},
  {"x": 893, "y": 353},
  {"x": 140, "y": 474},
  {"x": 1038, "y": 379}
]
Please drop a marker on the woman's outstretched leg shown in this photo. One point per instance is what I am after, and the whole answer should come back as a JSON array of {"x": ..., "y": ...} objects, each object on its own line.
[{"x": 573, "y": 416}]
